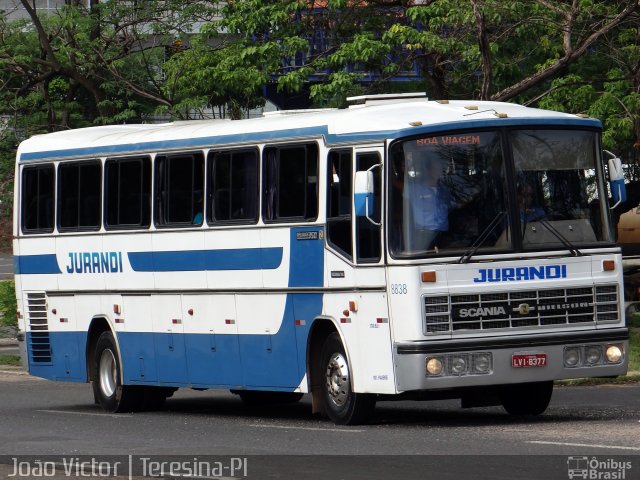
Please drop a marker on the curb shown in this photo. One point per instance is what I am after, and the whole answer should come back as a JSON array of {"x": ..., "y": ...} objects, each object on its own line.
[{"x": 8, "y": 342}]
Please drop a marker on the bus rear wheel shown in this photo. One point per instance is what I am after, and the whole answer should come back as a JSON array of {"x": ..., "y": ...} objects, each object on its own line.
[
  {"x": 342, "y": 405},
  {"x": 107, "y": 387},
  {"x": 526, "y": 398}
]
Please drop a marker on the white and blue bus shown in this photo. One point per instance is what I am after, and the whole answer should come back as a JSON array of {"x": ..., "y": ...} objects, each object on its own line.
[{"x": 398, "y": 248}]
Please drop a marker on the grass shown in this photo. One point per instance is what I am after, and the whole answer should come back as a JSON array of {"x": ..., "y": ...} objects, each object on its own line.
[
  {"x": 8, "y": 304},
  {"x": 12, "y": 360},
  {"x": 634, "y": 350}
]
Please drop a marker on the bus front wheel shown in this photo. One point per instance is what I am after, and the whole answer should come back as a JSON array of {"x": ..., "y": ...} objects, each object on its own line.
[
  {"x": 526, "y": 398},
  {"x": 107, "y": 387},
  {"x": 342, "y": 404}
]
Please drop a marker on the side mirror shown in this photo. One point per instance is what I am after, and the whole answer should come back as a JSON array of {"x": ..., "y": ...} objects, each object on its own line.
[
  {"x": 364, "y": 194},
  {"x": 616, "y": 180}
]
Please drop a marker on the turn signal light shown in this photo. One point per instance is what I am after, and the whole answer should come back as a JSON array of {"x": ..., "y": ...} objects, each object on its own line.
[{"x": 428, "y": 277}]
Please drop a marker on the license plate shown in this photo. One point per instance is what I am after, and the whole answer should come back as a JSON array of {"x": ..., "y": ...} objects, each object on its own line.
[{"x": 526, "y": 360}]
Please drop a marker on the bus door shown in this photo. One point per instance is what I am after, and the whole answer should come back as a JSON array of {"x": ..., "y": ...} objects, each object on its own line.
[
  {"x": 354, "y": 239},
  {"x": 370, "y": 324},
  {"x": 356, "y": 272}
]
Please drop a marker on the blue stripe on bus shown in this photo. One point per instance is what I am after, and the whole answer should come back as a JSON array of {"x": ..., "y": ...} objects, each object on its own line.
[
  {"x": 257, "y": 361},
  {"x": 201, "y": 260},
  {"x": 306, "y": 132},
  {"x": 46, "y": 264}
]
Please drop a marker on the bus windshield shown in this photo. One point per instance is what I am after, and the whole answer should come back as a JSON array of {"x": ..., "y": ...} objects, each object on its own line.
[{"x": 492, "y": 191}]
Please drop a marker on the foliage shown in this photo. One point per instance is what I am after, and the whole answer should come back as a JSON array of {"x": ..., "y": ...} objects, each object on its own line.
[
  {"x": 634, "y": 350},
  {"x": 8, "y": 304},
  {"x": 12, "y": 360},
  {"x": 482, "y": 49},
  {"x": 85, "y": 65}
]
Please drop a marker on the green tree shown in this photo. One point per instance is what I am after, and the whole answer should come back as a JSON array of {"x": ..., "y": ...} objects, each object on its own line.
[
  {"x": 101, "y": 63},
  {"x": 486, "y": 49}
]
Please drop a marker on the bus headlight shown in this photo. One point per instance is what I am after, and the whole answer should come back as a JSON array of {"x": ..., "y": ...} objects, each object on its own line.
[
  {"x": 571, "y": 357},
  {"x": 434, "y": 366},
  {"x": 482, "y": 362},
  {"x": 613, "y": 354},
  {"x": 593, "y": 354},
  {"x": 458, "y": 365}
]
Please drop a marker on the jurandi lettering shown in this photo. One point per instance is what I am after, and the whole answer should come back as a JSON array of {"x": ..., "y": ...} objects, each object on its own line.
[
  {"x": 513, "y": 274},
  {"x": 94, "y": 262}
]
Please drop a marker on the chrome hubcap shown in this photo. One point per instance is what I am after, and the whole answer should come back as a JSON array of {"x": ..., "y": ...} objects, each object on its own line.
[
  {"x": 108, "y": 373},
  {"x": 337, "y": 378}
]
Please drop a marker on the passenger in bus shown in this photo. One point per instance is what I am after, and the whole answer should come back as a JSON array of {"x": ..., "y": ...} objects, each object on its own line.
[{"x": 430, "y": 202}]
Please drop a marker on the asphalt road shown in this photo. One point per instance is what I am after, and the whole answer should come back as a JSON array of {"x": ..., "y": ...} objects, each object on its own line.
[{"x": 403, "y": 440}]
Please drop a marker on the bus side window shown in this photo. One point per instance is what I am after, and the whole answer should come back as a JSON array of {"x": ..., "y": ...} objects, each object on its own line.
[
  {"x": 339, "y": 200},
  {"x": 179, "y": 190},
  {"x": 38, "y": 199},
  {"x": 290, "y": 183},
  {"x": 127, "y": 193},
  {"x": 369, "y": 249},
  {"x": 233, "y": 187},
  {"x": 79, "y": 196}
]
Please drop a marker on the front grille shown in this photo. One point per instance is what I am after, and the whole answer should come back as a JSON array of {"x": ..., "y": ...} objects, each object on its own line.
[
  {"x": 40, "y": 351},
  {"x": 521, "y": 309}
]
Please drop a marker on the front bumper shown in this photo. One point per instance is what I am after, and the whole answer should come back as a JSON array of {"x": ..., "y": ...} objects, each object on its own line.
[{"x": 410, "y": 359}]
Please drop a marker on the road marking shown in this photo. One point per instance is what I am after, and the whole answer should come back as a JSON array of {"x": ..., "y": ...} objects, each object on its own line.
[
  {"x": 313, "y": 429},
  {"x": 566, "y": 444},
  {"x": 84, "y": 413}
]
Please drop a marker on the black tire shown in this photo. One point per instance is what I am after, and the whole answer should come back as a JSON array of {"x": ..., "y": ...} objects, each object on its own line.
[
  {"x": 342, "y": 405},
  {"x": 256, "y": 397},
  {"x": 526, "y": 398},
  {"x": 107, "y": 387}
]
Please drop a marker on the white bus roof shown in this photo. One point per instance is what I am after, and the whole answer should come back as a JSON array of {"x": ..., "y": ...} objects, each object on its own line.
[{"x": 373, "y": 120}]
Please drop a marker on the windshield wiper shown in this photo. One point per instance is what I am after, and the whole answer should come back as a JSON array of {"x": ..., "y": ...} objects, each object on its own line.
[
  {"x": 466, "y": 256},
  {"x": 570, "y": 246}
]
